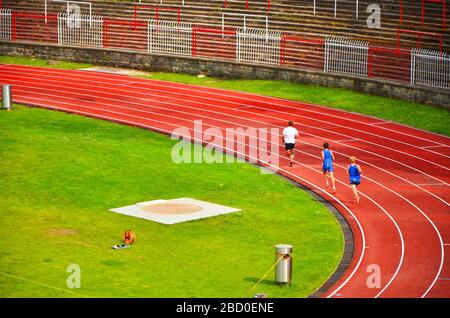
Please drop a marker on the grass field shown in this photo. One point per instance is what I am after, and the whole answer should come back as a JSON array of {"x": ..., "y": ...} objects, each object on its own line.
[
  {"x": 408, "y": 113},
  {"x": 61, "y": 173}
]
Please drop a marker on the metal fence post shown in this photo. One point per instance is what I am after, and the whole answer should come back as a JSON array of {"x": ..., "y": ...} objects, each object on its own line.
[
  {"x": 149, "y": 38},
  {"x": 325, "y": 64},
  {"x": 413, "y": 66},
  {"x": 238, "y": 46},
  {"x": 59, "y": 30}
]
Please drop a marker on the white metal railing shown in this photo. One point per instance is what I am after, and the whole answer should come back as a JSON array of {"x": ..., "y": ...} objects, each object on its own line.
[
  {"x": 346, "y": 56},
  {"x": 5, "y": 24},
  {"x": 169, "y": 37},
  {"x": 77, "y": 29},
  {"x": 256, "y": 45},
  {"x": 430, "y": 68}
]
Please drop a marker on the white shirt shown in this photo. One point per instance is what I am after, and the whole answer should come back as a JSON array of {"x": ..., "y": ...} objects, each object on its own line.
[{"x": 289, "y": 134}]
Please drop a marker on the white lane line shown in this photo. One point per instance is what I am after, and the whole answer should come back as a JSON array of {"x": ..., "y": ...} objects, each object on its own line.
[
  {"x": 321, "y": 129},
  {"x": 126, "y": 83},
  {"x": 431, "y": 184},
  {"x": 272, "y": 117},
  {"x": 238, "y": 94},
  {"x": 434, "y": 146},
  {"x": 281, "y": 105},
  {"x": 243, "y": 107},
  {"x": 381, "y": 123},
  {"x": 221, "y": 114},
  {"x": 337, "y": 125},
  {"x": 212, "y": 90},
  {"x": 326, "y": 123},
  {"x": 378, "y": 205},
  {"x": 200, "y": 88},
  {"x": 348, "y": 140}
]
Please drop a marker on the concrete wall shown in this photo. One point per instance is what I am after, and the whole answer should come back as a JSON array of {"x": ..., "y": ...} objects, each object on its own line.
[{"x": 226, "y": 69}]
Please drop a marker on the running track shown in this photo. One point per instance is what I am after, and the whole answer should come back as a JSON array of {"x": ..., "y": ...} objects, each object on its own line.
[{"x": 403, "y": 222}]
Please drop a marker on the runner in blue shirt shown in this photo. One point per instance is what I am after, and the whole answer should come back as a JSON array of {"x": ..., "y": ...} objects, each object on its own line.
[
  {"x": 354, "y": 172},
  {"x": 327, "y": 165}
]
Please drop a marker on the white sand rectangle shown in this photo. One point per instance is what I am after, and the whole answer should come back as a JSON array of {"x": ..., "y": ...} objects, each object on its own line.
[{"x": 174, "y": 210}]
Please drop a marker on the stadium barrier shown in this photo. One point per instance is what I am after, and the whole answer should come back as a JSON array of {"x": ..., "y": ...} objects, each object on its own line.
[
  {"x": 302, "y": 51},
  {"x": 84, "y": 30},
  {"x": 430, "y": 68},
  {"x": 259, "y": 46},
  {"x": 169, "y": 37},
  {"x": 135, "y": 32},
  {"x": 346, "y": 56},
  {"x": 387, "y": 62},
  {"x": 34, "y": 26},
  {"x": 213, "y": 42},
  {"x": 414, "y": 66},
  {"x": 5, "y": 24}
]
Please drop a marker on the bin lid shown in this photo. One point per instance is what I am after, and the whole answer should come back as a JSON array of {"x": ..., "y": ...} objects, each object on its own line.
[{"x": 283, "y": 249}]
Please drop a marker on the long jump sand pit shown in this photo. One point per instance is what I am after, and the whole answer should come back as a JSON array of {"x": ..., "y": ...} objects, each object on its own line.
[
  {"x": 171, "y": 208},
  {"x": 175, "y": 210}
]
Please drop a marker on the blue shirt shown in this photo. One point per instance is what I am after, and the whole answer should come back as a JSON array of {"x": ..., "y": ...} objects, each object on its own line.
[
  {"x": 327, "y": 157},
  {"x": 354, "y": 174}
]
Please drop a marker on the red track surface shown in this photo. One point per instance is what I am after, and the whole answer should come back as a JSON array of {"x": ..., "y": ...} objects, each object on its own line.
[{"x": 403, "y": 221}]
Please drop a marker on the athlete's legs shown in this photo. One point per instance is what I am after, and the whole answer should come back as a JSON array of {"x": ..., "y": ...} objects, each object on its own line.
[
  {"x": 355, "y": 192},
  {"x": 326, "y": 179},
  {"x": 290, "y": 153},
  {"x": 333, "y": 181}
]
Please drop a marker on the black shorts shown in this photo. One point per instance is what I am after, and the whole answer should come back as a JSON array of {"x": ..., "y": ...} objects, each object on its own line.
[{"x": 289, "y": 146}]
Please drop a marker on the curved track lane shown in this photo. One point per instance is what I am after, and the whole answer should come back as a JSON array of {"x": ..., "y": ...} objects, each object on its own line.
[{"x": 403, "y": 222}]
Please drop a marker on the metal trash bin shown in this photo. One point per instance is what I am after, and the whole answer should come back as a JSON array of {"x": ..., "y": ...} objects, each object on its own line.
[
  {"x": 6, "y": 96},
  {"x": 283, "y": 270}
]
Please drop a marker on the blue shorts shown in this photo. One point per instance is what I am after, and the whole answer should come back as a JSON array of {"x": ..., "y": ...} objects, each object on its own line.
[
  {"x": 355, "y": 180},
  {"x": 327, "y": 167}
]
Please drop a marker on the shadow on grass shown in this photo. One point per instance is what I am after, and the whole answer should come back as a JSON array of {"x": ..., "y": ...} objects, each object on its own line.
[{"x": 254, "y": 280}]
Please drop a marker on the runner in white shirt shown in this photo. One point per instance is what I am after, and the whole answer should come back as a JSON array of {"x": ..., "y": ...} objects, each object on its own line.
[{"x": 289, "y": 135}]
